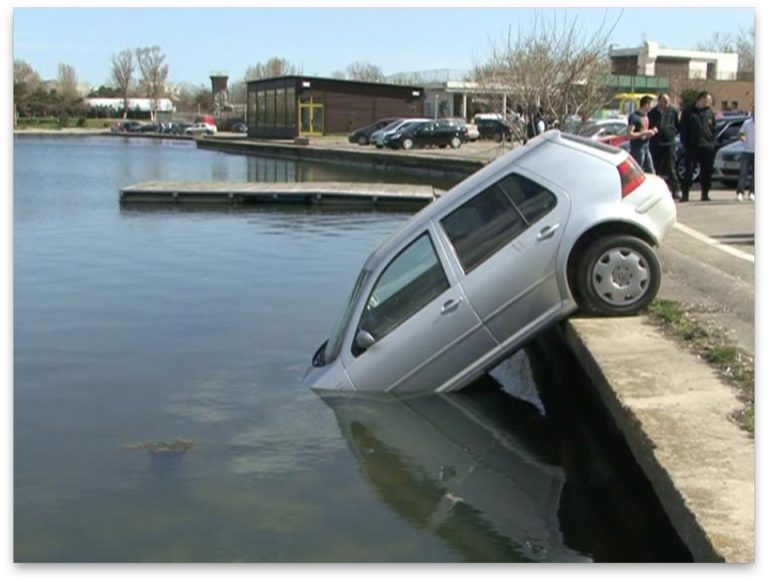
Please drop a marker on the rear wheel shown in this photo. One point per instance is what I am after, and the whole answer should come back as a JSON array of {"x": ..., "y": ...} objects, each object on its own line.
[
  {"x": 618, "y": 275},
  {"x": 498, "y": 137},
  {"x": 362, "y": 140},
  {"x": 455, "y": 142}
]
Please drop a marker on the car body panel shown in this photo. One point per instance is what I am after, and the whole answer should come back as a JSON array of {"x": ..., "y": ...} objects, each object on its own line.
[{"x": 727, "y": 162}]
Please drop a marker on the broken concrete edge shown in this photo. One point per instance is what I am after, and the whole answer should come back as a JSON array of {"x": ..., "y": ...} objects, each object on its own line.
[{"x": 680, "y": 515}]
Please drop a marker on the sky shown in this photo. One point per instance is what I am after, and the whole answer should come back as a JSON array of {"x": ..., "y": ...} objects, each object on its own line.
[{"x": 199, "y": 41}]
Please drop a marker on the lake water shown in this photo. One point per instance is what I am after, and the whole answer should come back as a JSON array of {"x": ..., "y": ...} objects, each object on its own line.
[{"x": 134, "y": 327}]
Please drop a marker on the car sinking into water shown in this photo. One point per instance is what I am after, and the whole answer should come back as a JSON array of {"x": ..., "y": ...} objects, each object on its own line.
[{"x": 561, "y": 224}]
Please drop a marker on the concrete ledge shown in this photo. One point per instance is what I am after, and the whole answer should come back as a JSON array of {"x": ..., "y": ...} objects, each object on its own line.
[{"x": 673, "y": 411}]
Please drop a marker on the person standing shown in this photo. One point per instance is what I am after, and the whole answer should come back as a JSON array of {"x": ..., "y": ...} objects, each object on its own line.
[
  {"x": 640, "y": 134},
  {"x": 697, "y": 133},
  {"x": 747, "y": 159},
  {"x": 665, "y": 119}
]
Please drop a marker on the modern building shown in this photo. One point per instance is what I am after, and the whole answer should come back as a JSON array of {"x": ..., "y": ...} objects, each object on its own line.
[
  {"x": 286, "y": 107},
  {"x": 656, "y": 61},
  {"x": 688, "y": 71}
]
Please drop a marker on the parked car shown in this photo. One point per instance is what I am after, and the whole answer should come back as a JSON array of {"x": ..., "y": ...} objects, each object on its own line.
[
  {"x": 362, "y": 136},
  {"x": 726, "y": 132},
  {"x": 377, "y": 137},
  {"x": 495, "y": 129},
  {"x": 727, "y": 163},
  {"x": 471, "y": 132},
  {"x": 200, "y": 128},
  {"x": 239, "y": 127},
  {"x": 611, "y": 131},
  {"x": 426, "y": 133},
  {"x": 126, "y": 126},
  {"x": 559, "y": 224}
]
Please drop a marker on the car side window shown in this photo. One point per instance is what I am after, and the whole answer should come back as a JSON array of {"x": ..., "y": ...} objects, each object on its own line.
[
  {"x": 531, "y": 199},
  {"x": 489, "y": 221},
  {"x": 411, "y": 281}
]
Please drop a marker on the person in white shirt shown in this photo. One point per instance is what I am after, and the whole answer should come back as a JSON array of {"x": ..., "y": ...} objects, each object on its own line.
[{"x": 747, "y": 160}]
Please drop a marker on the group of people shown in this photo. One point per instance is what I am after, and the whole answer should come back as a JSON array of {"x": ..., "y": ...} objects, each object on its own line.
[{"x": 652, "y": 135}]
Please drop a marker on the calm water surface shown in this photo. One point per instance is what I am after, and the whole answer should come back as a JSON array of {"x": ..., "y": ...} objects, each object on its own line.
[{"x": 137, "y": 326}]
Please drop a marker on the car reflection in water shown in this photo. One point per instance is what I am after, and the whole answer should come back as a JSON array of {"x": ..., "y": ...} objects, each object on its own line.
[{"x": 449, "y": 465}]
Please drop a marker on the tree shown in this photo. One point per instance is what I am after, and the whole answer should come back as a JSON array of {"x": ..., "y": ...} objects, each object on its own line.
[
  {"x": 551, "y": 65},
  {"x": 361, "y": 71},
  {"x": 154, "y": 73},
  {"x": 742, "y": 43},
  {"x": 26, "y": 83},
  {"x": 274, "y": 67},
  {"x": 123, "y": 67},
  {"x": 67, "y": 82}
]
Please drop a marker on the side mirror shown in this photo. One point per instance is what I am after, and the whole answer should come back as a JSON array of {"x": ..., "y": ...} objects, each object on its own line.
[{"x": 364, "y": 340}]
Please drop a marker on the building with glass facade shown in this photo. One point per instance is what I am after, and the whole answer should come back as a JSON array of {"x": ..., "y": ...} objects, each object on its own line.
[{"x": 287, "y": 107}]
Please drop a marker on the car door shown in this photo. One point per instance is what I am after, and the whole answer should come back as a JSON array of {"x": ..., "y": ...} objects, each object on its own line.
[
  {"x": 505, "y": 240},
  {"x": 423, "y": 134},
  {"x": 423, "y": 329}
]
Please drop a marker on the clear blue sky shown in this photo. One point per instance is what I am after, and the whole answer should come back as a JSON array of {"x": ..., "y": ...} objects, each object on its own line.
[{"x": 198, "y": 41}]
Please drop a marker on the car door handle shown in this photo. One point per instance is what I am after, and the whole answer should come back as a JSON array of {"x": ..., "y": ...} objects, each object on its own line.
[
  {"x": 451, "y": 305},
  {"x": 548, "y": 232}
]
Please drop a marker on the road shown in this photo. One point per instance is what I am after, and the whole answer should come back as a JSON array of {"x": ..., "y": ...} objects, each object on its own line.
[{"x": 708, "y": 264}]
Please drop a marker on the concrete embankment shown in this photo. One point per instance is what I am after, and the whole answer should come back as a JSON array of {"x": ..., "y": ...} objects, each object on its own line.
[
  {"x": 323, "y": 150},
  {"x": 674, "y": 412}
]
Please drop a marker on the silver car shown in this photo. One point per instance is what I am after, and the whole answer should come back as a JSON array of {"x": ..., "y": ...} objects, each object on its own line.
[{"x": 559, "y": 224}]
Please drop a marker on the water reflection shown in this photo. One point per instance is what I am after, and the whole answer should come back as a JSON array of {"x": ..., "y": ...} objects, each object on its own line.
[{"x": 463, "y": 467}]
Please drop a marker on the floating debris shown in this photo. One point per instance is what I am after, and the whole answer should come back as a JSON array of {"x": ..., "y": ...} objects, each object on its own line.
[{"x": 173, "y": 447}]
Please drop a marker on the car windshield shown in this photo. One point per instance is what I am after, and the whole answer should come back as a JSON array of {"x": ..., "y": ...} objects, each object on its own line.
[
  {"x": 394, "y": 125},
  {"x": 333, "y": 347}
]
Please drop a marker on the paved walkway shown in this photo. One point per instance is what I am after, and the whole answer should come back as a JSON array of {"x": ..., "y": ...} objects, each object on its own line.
[{"x": 708, "y": 264}]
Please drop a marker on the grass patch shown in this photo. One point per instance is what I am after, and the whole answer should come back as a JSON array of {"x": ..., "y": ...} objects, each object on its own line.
[{"x": 733, "y": 364}]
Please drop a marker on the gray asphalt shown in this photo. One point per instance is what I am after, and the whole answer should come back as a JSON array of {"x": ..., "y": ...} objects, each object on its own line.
[{"x": 715, "y": 286}]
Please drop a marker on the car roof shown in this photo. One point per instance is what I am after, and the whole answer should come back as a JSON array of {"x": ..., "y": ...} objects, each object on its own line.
[{"x": 552, "y": 138}]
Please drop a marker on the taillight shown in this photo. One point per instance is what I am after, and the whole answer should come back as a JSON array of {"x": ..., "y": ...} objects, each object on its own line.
[{"x": 631, "y": 176}]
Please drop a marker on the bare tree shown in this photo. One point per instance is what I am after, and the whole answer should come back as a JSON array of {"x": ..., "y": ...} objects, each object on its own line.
[
  {"x": 552, "y": 66},
  {"x": 274, "y": 67},
  {"x": 123, "y": 67},
  {"x": 361, "y": 71},
  {"x": 742, "y": 43},
  {"x": 154, "y": 73},
  {"x": 67, "y": 82}
]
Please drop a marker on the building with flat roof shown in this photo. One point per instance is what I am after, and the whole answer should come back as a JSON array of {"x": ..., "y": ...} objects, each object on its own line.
[
  {"x": 297, "y": 105},
  {"x": 653, "y": 60}
]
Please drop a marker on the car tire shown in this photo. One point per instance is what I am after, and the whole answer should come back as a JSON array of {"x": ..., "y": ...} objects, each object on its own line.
[
  {"x": 680, "y": 169},
  {"x": 362, "y": 140},
  {"x": 455, "y": 143},
  {"x": 617, "y": 275},
  {"x": 498, "y": 137},
  {"x": 407, "y": 143}
]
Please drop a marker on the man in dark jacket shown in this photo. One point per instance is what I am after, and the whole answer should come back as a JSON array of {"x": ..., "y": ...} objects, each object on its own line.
[
  {"x": 665, "y": 119},
  {"x": 697, "y": 133}
]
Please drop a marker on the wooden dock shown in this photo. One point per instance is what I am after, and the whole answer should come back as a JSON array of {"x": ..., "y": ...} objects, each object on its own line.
[{"x": 311, "y": 193}]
